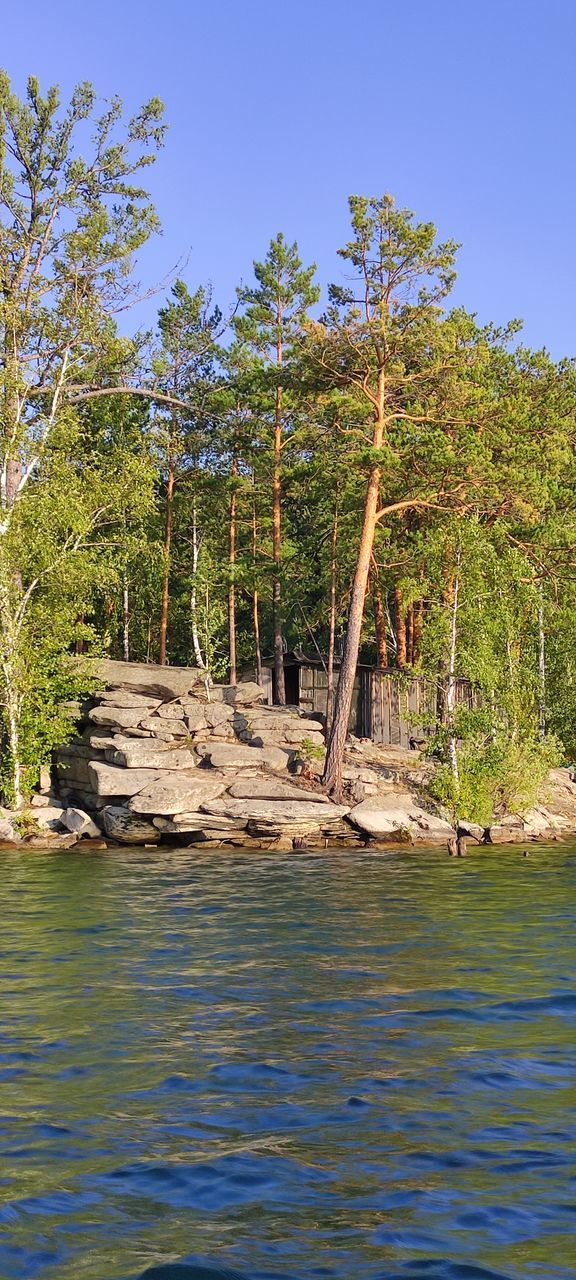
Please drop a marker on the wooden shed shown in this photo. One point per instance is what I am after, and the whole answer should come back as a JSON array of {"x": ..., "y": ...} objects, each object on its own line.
[{"x": 388, "y": 706}]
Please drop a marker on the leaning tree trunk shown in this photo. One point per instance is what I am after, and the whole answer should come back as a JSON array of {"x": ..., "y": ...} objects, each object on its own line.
[
  {"x": 11, "y": 696},
  {"x": 332, "y": 778},
  {"x": 169, "y": 516},
  {"x": 332, "y": 619},
  {"x": 280, "y": 691},
  {"x": 231, "y": 583}
]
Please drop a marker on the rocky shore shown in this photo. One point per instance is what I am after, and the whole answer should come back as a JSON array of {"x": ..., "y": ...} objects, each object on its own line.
[{"x": 164, "y": 757}]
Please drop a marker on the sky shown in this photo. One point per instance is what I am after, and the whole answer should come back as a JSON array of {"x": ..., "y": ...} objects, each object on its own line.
[{"x": 464, "y": 110}]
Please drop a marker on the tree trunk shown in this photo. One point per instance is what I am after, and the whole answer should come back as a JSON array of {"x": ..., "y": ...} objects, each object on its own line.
[
  {"x": 169, "y": 516},
  {"x": 400, "y": 621},
  {"x": 379, "y": 623},
  {"x": 125, "y": 618},
  {"x": 255, "y": 596},
  {"x": 332, "y": 778},
  {"x": 193, "y": 594},
  {"x": 280, "y": 690},
  {"x": 232, "y": 677},
  {"x": 541, "y": 669},
  {"x": 410, "y": 635},
  {"x": 10, "y": 691},
  {"x": 417, "y": 632},
  {"x": 451, "y": 682},
  {"x": 332, "y": 620}
]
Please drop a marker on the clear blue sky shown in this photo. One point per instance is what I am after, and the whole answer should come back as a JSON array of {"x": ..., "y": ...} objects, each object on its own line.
[{"x": 463, "y": 109}]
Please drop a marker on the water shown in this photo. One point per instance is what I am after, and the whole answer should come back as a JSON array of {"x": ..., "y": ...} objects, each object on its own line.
[{"x": 303, "y": 1066}]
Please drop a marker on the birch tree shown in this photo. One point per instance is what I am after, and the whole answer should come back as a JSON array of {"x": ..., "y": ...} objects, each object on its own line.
[{"x": 72, "y": 215}]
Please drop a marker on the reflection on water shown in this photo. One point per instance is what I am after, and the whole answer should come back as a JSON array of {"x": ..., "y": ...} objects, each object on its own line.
[{"x": 350, "y": 1067}]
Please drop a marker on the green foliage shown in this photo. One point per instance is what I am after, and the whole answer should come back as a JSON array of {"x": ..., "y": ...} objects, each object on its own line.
[{"x": 495, "y": 777}]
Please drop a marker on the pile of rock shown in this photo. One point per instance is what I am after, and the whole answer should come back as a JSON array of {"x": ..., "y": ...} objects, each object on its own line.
[{"x": 162, "y": 755}]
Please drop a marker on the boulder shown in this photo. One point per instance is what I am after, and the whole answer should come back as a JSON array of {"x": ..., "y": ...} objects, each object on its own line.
[
  {"x": 155, "y": 681},
  {"x": 471, "y": 829},
  {"x": 244, "y": 694},
  {"x": 393, "y": 816},
  {"x": 234, "y": 755},
  {"x": 274, "y": 789},
  {"x": 51, "y": 817},
  {"x": 277, "y": 812},
  {"x": 122, "y": 717},
  {"x": 79, "y": 822},
  {"x": 151, "y": 755},
  {"x": 176, "y": 794},
  {"x": 124, "y": 698},
  {"x": 7, "y": 830},
  {"x": 293, "y": 738},
  {"x": 39, "y": 801},
  {"x": 126, "y": 827},
  {"x": 109, "y": 780}
]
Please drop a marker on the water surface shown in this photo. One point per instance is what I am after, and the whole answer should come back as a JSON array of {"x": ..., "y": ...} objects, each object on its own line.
[{"x": 357, "y": 1067}]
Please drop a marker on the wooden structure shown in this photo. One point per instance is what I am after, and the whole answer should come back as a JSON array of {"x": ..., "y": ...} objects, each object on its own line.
[{"x": 388, "y": 706}]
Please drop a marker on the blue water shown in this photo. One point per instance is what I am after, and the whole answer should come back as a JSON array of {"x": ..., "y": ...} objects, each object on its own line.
[{"x": 298, "y": 1066}]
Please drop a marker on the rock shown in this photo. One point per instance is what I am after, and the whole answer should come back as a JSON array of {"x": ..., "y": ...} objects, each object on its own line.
[
  {"x": 163, "y": 683},
  {"x": 102, "y": 741},
  {"x": 272, "y": 789},
  {"x": 195, "y": 719},
  {"x": 124, "y": 698},
  {"x": 164, "y": 730},
  {"x": 395, "y": 816},
  {"x": 277, "y": 812},
  {"x": 109, "y": 780},
  {"x": 216, "y": 713},
  {"x": 471, "y": 829},
  {"x": 234, "y": 755},
  {"x": 91, "y": 842},
  {"x": 292, "y": 737},
  {"x": 51, "y": 817},
  {"x": 151, "y": 755},
  {"x": 122, "y": 717},
  {"x": 126, "y": 827},
  {"x": 7, "y": 830},
  {"x": 45, "y": 781},
  {"x": 198, "y": 822},
  {"x": 50, "y": 840},
  {"x": 176, "y": 794},
  {"x": 244, "y": 694},
  {"x": 171, "y": 711},
  {"x": 80, "y": 823},
  {"x": 39, "y": 801}
]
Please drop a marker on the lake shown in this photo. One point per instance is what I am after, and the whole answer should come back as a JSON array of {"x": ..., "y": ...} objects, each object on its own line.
[{"x": 298, "y": 1066}]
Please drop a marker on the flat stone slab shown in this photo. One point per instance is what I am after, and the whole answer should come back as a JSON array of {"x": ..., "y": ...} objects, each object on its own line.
[
  {"x": 142, "y": 677},
  {"x": 124, "y": 698},
  {"x": 232, "y": 755},
  {"x": 164, "y": 730},
  {"x": 126, "y": 827},
  {"x": 176, "y": 794},
  {"x": 380, "y": 816},
  {"x": 150, "y": 755},
  {"x": 277, "y": 812},
  {"x": 124, "y": 717},
  {"x": 183, "y": 822},
  {"x": 272, "y": 789},
  {"x": 109, "y": 780}
]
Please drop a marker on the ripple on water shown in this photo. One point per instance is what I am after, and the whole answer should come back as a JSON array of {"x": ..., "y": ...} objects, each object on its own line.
[{"x": 358, "y": 1068}]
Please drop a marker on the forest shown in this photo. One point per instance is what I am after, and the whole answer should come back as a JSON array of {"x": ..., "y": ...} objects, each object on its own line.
[{"x": 369, "y": 473}]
